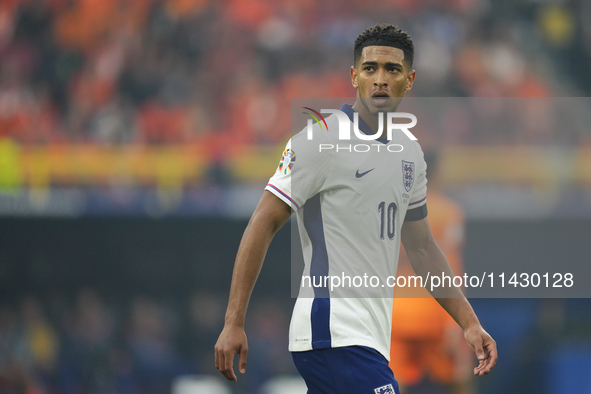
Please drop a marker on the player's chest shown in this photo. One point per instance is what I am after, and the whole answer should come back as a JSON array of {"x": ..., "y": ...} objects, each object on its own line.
[{"x": 383, "y": 174}]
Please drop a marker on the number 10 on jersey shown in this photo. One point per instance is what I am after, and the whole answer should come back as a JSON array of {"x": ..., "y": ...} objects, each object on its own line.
[{"x": 387, "y": 219}]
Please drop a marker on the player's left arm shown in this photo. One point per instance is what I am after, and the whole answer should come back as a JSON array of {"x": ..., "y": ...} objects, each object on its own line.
[{"x": 426, "y": 257}]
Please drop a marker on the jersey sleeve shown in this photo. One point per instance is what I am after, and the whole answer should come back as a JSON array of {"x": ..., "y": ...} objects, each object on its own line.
[
  {"x": 417, "y": 206},
  {"x": 301, "y": 172}
]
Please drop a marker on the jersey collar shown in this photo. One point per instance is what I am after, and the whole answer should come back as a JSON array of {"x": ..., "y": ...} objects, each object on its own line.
[{"x": 363, "y": 127}]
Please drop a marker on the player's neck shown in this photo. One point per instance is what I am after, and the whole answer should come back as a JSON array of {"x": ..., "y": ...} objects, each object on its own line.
[{"x": 369, "y": 119}]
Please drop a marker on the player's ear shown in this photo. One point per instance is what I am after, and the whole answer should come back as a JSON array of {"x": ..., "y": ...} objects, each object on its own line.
[
  {"x": 354, "y": 80},
  {"x": 410, "y": 80}
]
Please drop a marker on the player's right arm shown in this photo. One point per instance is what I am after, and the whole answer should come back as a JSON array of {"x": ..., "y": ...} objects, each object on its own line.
[{"x": 269, "y": 216}]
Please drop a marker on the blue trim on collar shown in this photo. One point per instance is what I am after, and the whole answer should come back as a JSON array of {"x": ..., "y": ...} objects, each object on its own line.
[{"x": 363, "y": 127}]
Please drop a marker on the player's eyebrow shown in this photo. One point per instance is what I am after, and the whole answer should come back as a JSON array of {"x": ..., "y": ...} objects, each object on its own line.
[{"x": 387, "y": 64}]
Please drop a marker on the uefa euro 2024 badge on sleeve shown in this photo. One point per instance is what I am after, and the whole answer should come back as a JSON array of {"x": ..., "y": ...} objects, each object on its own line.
[{"x": 287, "y": 161}]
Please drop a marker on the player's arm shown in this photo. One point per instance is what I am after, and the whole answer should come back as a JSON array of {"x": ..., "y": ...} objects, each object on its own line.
[
  {"x": 269, "y": 216},
  {"x": 426, "y": 257}
]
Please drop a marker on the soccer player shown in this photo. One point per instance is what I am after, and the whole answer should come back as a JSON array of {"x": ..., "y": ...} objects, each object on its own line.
[{"x": 353, "y": 210}]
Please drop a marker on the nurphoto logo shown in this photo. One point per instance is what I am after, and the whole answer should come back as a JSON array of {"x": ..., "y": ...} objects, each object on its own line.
[{"x": 345, "y": 130}]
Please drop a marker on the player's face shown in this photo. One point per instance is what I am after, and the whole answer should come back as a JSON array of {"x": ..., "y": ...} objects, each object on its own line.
[{"x": 381, "y": 77}]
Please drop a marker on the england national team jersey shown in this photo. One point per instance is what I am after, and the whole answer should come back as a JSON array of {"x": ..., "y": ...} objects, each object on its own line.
[{"x": 351, "y": 202}]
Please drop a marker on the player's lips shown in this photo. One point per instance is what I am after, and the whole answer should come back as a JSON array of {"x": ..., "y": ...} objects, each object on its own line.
[{"x": 379, "y": 98}]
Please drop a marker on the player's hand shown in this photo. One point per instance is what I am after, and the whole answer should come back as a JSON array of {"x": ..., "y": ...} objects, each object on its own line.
[
  {"x": 485, "y": 348},
  {"x": 232, "y": 341}
]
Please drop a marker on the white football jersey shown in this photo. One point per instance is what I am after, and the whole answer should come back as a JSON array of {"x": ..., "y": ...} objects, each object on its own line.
[{"x": 351, "y": 201}]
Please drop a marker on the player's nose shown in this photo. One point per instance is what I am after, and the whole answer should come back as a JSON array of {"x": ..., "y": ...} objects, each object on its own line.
[{"x": 380, "y": 81}]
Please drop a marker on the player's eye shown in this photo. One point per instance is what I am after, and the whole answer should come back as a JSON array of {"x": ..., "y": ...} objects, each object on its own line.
[{"x": 368, "y": 68}]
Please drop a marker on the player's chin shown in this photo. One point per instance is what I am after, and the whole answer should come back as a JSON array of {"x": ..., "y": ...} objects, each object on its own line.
[{"x": 375, "y": 111}]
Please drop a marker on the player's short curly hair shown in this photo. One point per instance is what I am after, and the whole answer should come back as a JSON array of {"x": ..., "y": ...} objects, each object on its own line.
[{"x": 385, "y": 34}]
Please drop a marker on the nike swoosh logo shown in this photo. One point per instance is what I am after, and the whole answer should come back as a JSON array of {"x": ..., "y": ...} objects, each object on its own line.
[{"x": 358, "y": 175}]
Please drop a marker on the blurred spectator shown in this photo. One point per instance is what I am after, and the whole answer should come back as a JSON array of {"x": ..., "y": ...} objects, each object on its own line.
[
  {"x": 206, "y": 317},
  {"x": 88, "y": 338},
  {"x": 39, "y": 345},
  {"x": 150, "y": 341}
]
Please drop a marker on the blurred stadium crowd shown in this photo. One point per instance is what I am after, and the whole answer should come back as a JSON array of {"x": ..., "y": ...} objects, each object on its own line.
[
  {"x": 97, "y": 345},
  {"x": 223, "y": 72}
]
